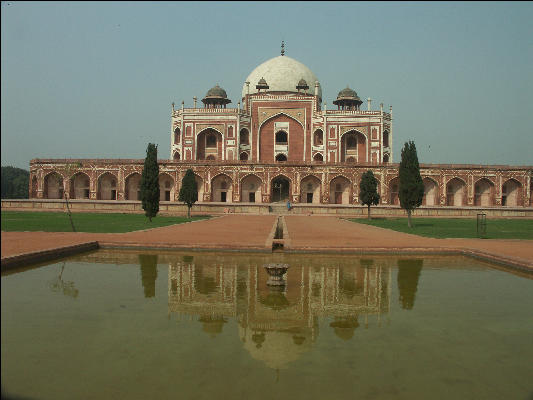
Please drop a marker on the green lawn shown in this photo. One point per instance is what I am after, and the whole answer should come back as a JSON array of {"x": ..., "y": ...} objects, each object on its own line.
[
  {"x": 84, "y": 222},
  {"x": 456, "y": 227}
]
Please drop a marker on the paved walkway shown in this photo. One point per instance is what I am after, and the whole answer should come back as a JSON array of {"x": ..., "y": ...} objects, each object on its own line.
[{"x": 255, "y": 232}]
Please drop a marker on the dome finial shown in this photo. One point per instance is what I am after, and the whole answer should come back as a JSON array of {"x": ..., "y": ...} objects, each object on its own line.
[{"x": 282, "y": 48}]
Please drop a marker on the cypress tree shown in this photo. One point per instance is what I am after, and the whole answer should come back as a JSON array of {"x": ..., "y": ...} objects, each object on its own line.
[
  {"x": 188, "y": 191},
  {"x": 411, "y": 190},
  {"x": 368, "y": 192},
  {"x": 150, "y": 183}
]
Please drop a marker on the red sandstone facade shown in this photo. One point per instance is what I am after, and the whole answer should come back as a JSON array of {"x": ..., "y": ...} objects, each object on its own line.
[{"x": 281, "y": 145}]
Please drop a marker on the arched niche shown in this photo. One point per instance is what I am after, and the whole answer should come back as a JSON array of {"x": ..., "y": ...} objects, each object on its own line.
[
  {"x": 282, "y": 138},
  {"x": 385, "y": 138},
  {"x": 221, "y": 189},
  {"x": 431, "y": 192},
  {"x": 484, "y": 193},
  {"x": 340, "y": 190},
  {"x": 456, "y": 192},
  {"x": 243, "y": 156},
  {"x": 318, "y": 138},
  {"x": 281, "y": 157},
  {"x": 132, "y": 190},
  {"x": 177, "y": 135},
  {"x": 176, "y": 156},
  {"x": 511, "y": 193},
  {"x": 353, "y": 144},
  {"x": 166, "y": 187},
  {"x": 318, "y": 158},
  {"x": 199, "y": 187},
  {"x": 80, "y": 185},
  {"x": 310, "y": 190},
  {"x": 244, "y": 137},
  {"x": 53, "y": 186},
  {"x": 209, "y": 145},
  {"x": 251, "y": 189},
  {"x": 107, "y": 187},
  {"x": 385, "y": 158}
]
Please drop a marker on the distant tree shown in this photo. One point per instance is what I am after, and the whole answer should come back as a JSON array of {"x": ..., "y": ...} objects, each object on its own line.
[
  {"x": 14, "y": 183},
  {"x": 411, "y": 190},
  {"x": 188, "y": 191},
  {"x": 368, "y": 190},
  {"x": 150, "y": 183}
]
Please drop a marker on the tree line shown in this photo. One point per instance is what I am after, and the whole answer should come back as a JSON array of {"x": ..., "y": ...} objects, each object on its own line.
[{"x": 14, "y": 182}]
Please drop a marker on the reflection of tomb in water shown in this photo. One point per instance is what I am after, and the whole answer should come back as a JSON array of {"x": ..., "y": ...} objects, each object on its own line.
[{"x": 278, "y": 325}]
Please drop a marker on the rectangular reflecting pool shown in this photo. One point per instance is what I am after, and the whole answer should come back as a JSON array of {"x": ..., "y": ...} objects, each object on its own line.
[{"x": 132, "y": 325}]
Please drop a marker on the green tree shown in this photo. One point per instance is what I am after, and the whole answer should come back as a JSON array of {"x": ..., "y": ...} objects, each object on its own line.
[
  {"x": 188, "y": 191},
  {"x": 14, "y": 182},
  {"x": 368, "y": 190},
  {"x": 411, "y": 188},
  {"x": 150, "y": 183}
]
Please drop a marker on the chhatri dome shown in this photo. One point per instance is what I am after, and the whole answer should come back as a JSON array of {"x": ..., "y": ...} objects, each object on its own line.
[{"x": 282, "y": 74}]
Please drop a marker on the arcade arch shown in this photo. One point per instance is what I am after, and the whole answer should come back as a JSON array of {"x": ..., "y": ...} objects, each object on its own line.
[
  {"x": 394, "y": 188},
  {"x": 107, "y": 187},
  {"x": 221, "y": 188},
  {"x": 133, "y": 187},
  {"x": 80, "y": 186},
  {"x": 280, "y": 188},
  {"x": 431, "y": 192},
  {"x": 484, "y": 193},
  {"x": 34, "y": 187},
  {"x": 166, "y": 187},
  {"x": 251, "y": 189},
  {"x": 53, "y": 186},
  {"x": 455, "y": 192},
  {"x": 310, "y": 190},
  {"x": 511, "y": 193},
  {"x": 353, "y": 145},
  {"x": 339, "y": 190}
]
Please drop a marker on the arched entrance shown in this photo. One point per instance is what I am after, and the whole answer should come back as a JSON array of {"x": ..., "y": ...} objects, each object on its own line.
[
  {"x": 353, "y": 146},
  {"x": 133, "y": 187},
  {"x": 484, "y": 193},
  {"x": 33, "y": 187},
  {"x": 221, "y": 189},
  {"x": 80, "y": 186},
  {"x": 394, "y": 187},
  {"x": 511, "y": 193},
  {"x": 455, "y": 192},
  {"x": 280, "y": 189},
  {"x": 199, "y": 187},
  {"x": 209, "y": 145},
  {"x": 251, "y": 189},
  {"x": 339, "y": 190},
  {"x": 107, "y": 187},
  {"x": 166, "y": 187},
  {"x": 430, "y": 192},
  {"x": 53, "y": 186},
  {"x": 310, "y": 190}
]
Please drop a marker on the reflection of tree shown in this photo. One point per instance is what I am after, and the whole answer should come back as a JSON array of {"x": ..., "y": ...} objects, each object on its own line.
[
  {"x": 348, "y": 285},
  {"x": 67, "y": 287},
  {"x": 408, "y": 276},
  {"x": 344, "y": 327},
  {"x": 148, "y": 273}
]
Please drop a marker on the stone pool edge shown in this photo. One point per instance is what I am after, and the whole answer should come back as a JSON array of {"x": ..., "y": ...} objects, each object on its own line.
[{"x": 21, "y": 260}]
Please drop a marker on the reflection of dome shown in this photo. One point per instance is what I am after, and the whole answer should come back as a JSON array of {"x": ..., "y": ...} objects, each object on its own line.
[
  {"x": 344, "y": 327},
  {"x": 276, "y": 348},
  {"x": 212, "y": 324},
  {"x": 282, "y": 74}
]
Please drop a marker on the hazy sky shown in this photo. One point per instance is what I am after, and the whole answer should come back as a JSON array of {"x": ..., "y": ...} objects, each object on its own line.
[{"x": 96, "y": 80}]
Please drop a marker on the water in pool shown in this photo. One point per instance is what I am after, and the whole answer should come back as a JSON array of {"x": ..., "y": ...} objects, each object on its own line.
[{"x": 111, "y": 325}]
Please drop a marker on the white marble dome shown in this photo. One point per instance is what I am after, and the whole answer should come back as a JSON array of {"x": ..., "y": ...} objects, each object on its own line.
[{"x": 282, "y": 74}]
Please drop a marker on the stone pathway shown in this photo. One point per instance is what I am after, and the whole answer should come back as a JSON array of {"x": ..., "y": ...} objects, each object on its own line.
[{"x": 255, "y": 233}]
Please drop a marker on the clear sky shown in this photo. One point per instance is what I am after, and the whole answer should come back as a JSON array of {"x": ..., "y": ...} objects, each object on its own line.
[{"x": 96, "y": 80}]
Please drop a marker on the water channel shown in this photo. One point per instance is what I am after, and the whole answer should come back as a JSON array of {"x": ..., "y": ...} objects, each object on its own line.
[{"x": 134, "y": 325}]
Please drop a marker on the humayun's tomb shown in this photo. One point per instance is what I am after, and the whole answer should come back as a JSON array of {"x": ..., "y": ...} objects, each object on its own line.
[{"x": 281, "y": 143}]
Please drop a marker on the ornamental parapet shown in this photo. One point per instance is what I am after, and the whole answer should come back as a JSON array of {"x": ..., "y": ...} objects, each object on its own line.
[{"x": 228, "y": 111}]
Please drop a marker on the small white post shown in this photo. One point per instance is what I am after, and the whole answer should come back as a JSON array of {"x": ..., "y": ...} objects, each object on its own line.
[{"x": 369, "y": 102}]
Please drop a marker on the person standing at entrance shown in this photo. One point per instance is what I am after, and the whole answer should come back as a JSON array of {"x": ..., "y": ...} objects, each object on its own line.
[{"x": 288, "y": 205}]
